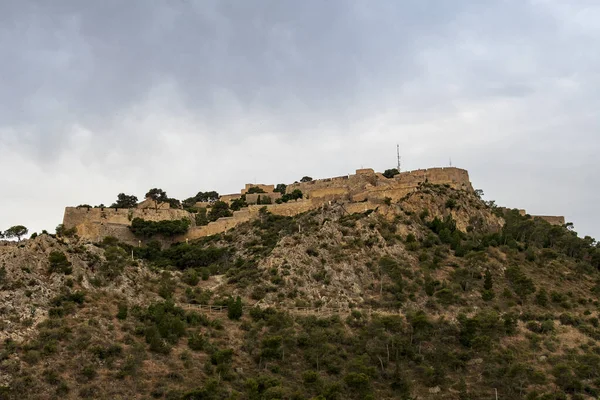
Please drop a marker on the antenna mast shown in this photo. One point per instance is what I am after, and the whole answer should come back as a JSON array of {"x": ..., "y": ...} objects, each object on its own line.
[{"x": 398, "y": 154}]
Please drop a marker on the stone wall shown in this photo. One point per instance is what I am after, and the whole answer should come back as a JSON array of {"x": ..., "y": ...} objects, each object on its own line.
[
  {"x": 366, "y": 184},
  {"x": 228, "y": 198},
  {"x": 253, "y": 198},
  {"x": 365, "y": 190},
  {"x": 266, "y": 188},
  {"x": 554, "y": 220},
  {"x": 96, "y": 223}
]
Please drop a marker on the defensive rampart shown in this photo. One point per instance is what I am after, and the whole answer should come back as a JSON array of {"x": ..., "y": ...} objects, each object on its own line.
[
  {"x": 97, "y": 223},
  {"x": 552, "y": 219},
  {"x": 356, "y": 193}
]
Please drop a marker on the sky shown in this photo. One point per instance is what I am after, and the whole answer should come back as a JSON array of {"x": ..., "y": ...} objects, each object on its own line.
[{"x": 103, "y": 97}]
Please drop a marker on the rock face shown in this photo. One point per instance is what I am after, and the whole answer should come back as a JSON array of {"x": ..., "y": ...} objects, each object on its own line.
[{"x": 27, "y": 287}]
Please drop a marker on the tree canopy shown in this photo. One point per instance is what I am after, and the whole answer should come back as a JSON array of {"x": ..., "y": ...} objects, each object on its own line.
[
  {"x": 306, "y": 179},
  {"x": 218, "y": 210},
  {"x": 17, "y": 231},
  {"x": 125, "y": 201},
  {"x": 143, "y": 228},
  {"x": 281, "y": 187},
  {"x": 390, "y": 173},
  {"x": 255, "y": 189}
]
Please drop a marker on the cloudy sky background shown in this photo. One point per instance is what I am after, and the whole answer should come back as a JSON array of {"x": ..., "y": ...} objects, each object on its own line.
[{"x": 103, "y": 97}]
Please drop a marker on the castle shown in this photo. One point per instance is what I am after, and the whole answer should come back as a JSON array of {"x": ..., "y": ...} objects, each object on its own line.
[{"x": 362, "y": 191}]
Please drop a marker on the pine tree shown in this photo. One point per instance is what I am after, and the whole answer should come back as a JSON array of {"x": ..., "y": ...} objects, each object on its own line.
[
  {"x": 234, "y": 308},
  {"x": 487, "y": 283}
]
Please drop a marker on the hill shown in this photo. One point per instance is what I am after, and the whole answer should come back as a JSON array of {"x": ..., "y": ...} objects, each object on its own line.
[{"x": 435, "y": 295}]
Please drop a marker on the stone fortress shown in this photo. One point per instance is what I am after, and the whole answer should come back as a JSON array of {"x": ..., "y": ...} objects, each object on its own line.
[{"x": 364, "y": 190}]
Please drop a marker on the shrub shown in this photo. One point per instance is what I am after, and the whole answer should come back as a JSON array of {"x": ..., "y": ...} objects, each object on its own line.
[
  {"x": 451, "y": 204},
  {"x": 197, "y": 342},
  {"x": 521, "y": 284},
  {"x": 218, "y": 210},
  {"x": 59, "y": 263},
  {"x": 190, "y": 277},
  {"x": 234, "y": 308},
  {"x": 168, "y": 228},
  {"x": 122, "y": 313}
]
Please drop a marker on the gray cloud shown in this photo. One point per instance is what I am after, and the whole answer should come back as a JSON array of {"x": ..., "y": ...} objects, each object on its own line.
[{"x": 103, "y": 97}]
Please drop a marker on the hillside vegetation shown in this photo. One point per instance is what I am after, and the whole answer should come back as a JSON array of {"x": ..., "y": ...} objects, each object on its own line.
[{"x": 441, "y": 296}]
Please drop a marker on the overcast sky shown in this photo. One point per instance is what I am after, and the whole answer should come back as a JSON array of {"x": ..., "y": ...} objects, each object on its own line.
[{"x": 102, "y": 97}]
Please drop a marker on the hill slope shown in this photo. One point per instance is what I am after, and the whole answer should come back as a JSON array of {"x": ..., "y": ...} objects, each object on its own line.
[{"x": 438, "y": 296}]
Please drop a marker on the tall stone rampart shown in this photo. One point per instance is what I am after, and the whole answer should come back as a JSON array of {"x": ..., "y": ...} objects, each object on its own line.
[
  {"x": 356, "y": 193},
  {"x": 366, "y": 184},
  {"x": 96, "y": 223},
  {"x": 552, "y": 219}
]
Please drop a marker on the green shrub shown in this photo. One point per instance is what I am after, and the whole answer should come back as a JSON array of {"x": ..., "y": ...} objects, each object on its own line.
[
  {"x": 234, "y": 308},
  {"x": 190, "y": 277},
  {"x": 168, "y": 228},
  {"x": 59, "y": 263},
  {"x": 122, "y": 313},
  {"x": 197, "y": 342}
]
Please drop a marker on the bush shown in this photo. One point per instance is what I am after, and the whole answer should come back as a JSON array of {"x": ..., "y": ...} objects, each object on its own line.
[
  {"x": 521, "y": 284},
  {"x": 451, "y": 204},
  {"x": 197, "y": 342},
  {"x": 234, "y": 308},
  {"x": 219, "y": 209},
  {"x": 168, "y": 228},
  {"x": 59, "y": 263},
  {"x": 122, "y": 313},
  {"x": 190, "y": 277}
]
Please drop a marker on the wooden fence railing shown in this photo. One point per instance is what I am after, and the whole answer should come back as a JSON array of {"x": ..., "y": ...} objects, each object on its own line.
[{"x": 210, "y": 309}]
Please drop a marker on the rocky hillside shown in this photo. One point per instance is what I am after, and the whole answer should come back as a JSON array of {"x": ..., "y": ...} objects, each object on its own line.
[{"x": 436, "y": 297}]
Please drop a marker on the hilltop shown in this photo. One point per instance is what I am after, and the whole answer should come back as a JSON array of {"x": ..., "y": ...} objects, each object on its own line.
[
  {"x": 208, "y": 213},
  {"x": 430, "y": 293}
]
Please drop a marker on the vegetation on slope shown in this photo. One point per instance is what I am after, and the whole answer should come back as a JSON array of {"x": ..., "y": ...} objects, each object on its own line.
[{"x": 447, "y": 297}]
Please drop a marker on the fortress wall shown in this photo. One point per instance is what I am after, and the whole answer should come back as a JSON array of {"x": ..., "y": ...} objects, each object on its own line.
[
  {"x": 266, "y": 188},
  {"x": 75, "y": 216},
  {"x": 455, "y": 177},
  {"x": 554, "y": 220},
  {"x": 329, "y": 193},
  {"x": 361, "y": 207},
  {"x": 95, "y": 223},
  {"x": 253, "y": 198},
  {"x": 288, "y": 209},
  {"x": 227, "y": 198}
]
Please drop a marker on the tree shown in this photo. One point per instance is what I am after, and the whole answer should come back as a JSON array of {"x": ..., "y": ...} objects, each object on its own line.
[
  {"x": 16, "y": 231},
  {"x": 281, "y": 187},
  {"x": 390, "y": 173},
  {"x": 116, "y": 260},
  {"x": 237, "y": 204},
  {"x": 201, "y": 197},
  {"x": 234, "y": 308},
  {"x": 59, "y": 263},
  {"x": 488, "y": 283},
  {"x": 157, "y": 195},
  {"x": 125, "y": 201},
  {"x": 218, "y": 210},
  {"x": 207, "y": 196},
  {"x": 255, "y": 189},
  {"x": 306, "y": 179},
  {"x": 479, "y": 193}
]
